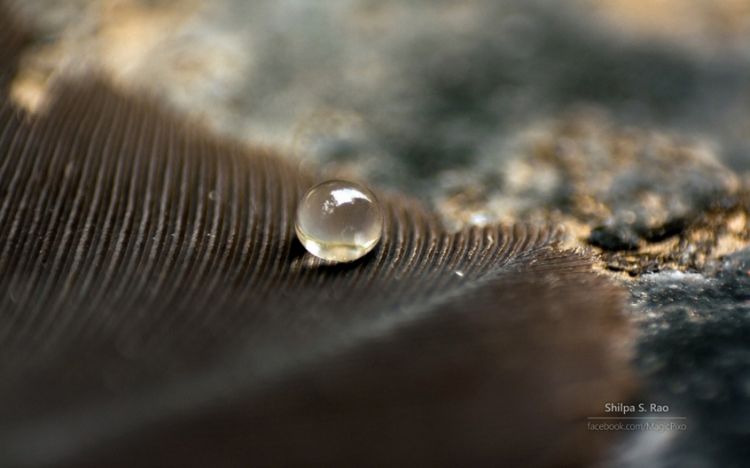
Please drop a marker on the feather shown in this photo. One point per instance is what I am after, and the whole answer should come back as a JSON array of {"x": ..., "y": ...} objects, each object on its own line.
[{"x": 156, "y": 309}]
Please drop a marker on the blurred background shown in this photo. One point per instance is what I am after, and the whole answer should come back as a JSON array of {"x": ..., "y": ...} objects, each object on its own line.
[{"x": 434, "y": 97}]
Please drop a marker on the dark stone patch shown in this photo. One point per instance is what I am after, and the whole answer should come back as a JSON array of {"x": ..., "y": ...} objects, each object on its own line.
[
  {"x": 673, "y": 227},
  {"x": 693, "y": 354},
  {"x": 613, "y": 238}
]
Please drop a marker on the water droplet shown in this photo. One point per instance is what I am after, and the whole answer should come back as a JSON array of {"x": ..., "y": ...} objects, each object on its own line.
[{"x": 339, "y": 221}]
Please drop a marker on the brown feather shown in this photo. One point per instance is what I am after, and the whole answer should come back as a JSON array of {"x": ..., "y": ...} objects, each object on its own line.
[{"x": 156, "y": 309}]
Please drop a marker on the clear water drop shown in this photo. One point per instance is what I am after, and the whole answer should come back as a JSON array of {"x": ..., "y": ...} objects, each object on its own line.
[{"x": 339, "y": 221}]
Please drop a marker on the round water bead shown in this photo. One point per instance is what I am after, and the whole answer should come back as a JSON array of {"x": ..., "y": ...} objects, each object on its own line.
[{"x": 339, "y": 221}]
